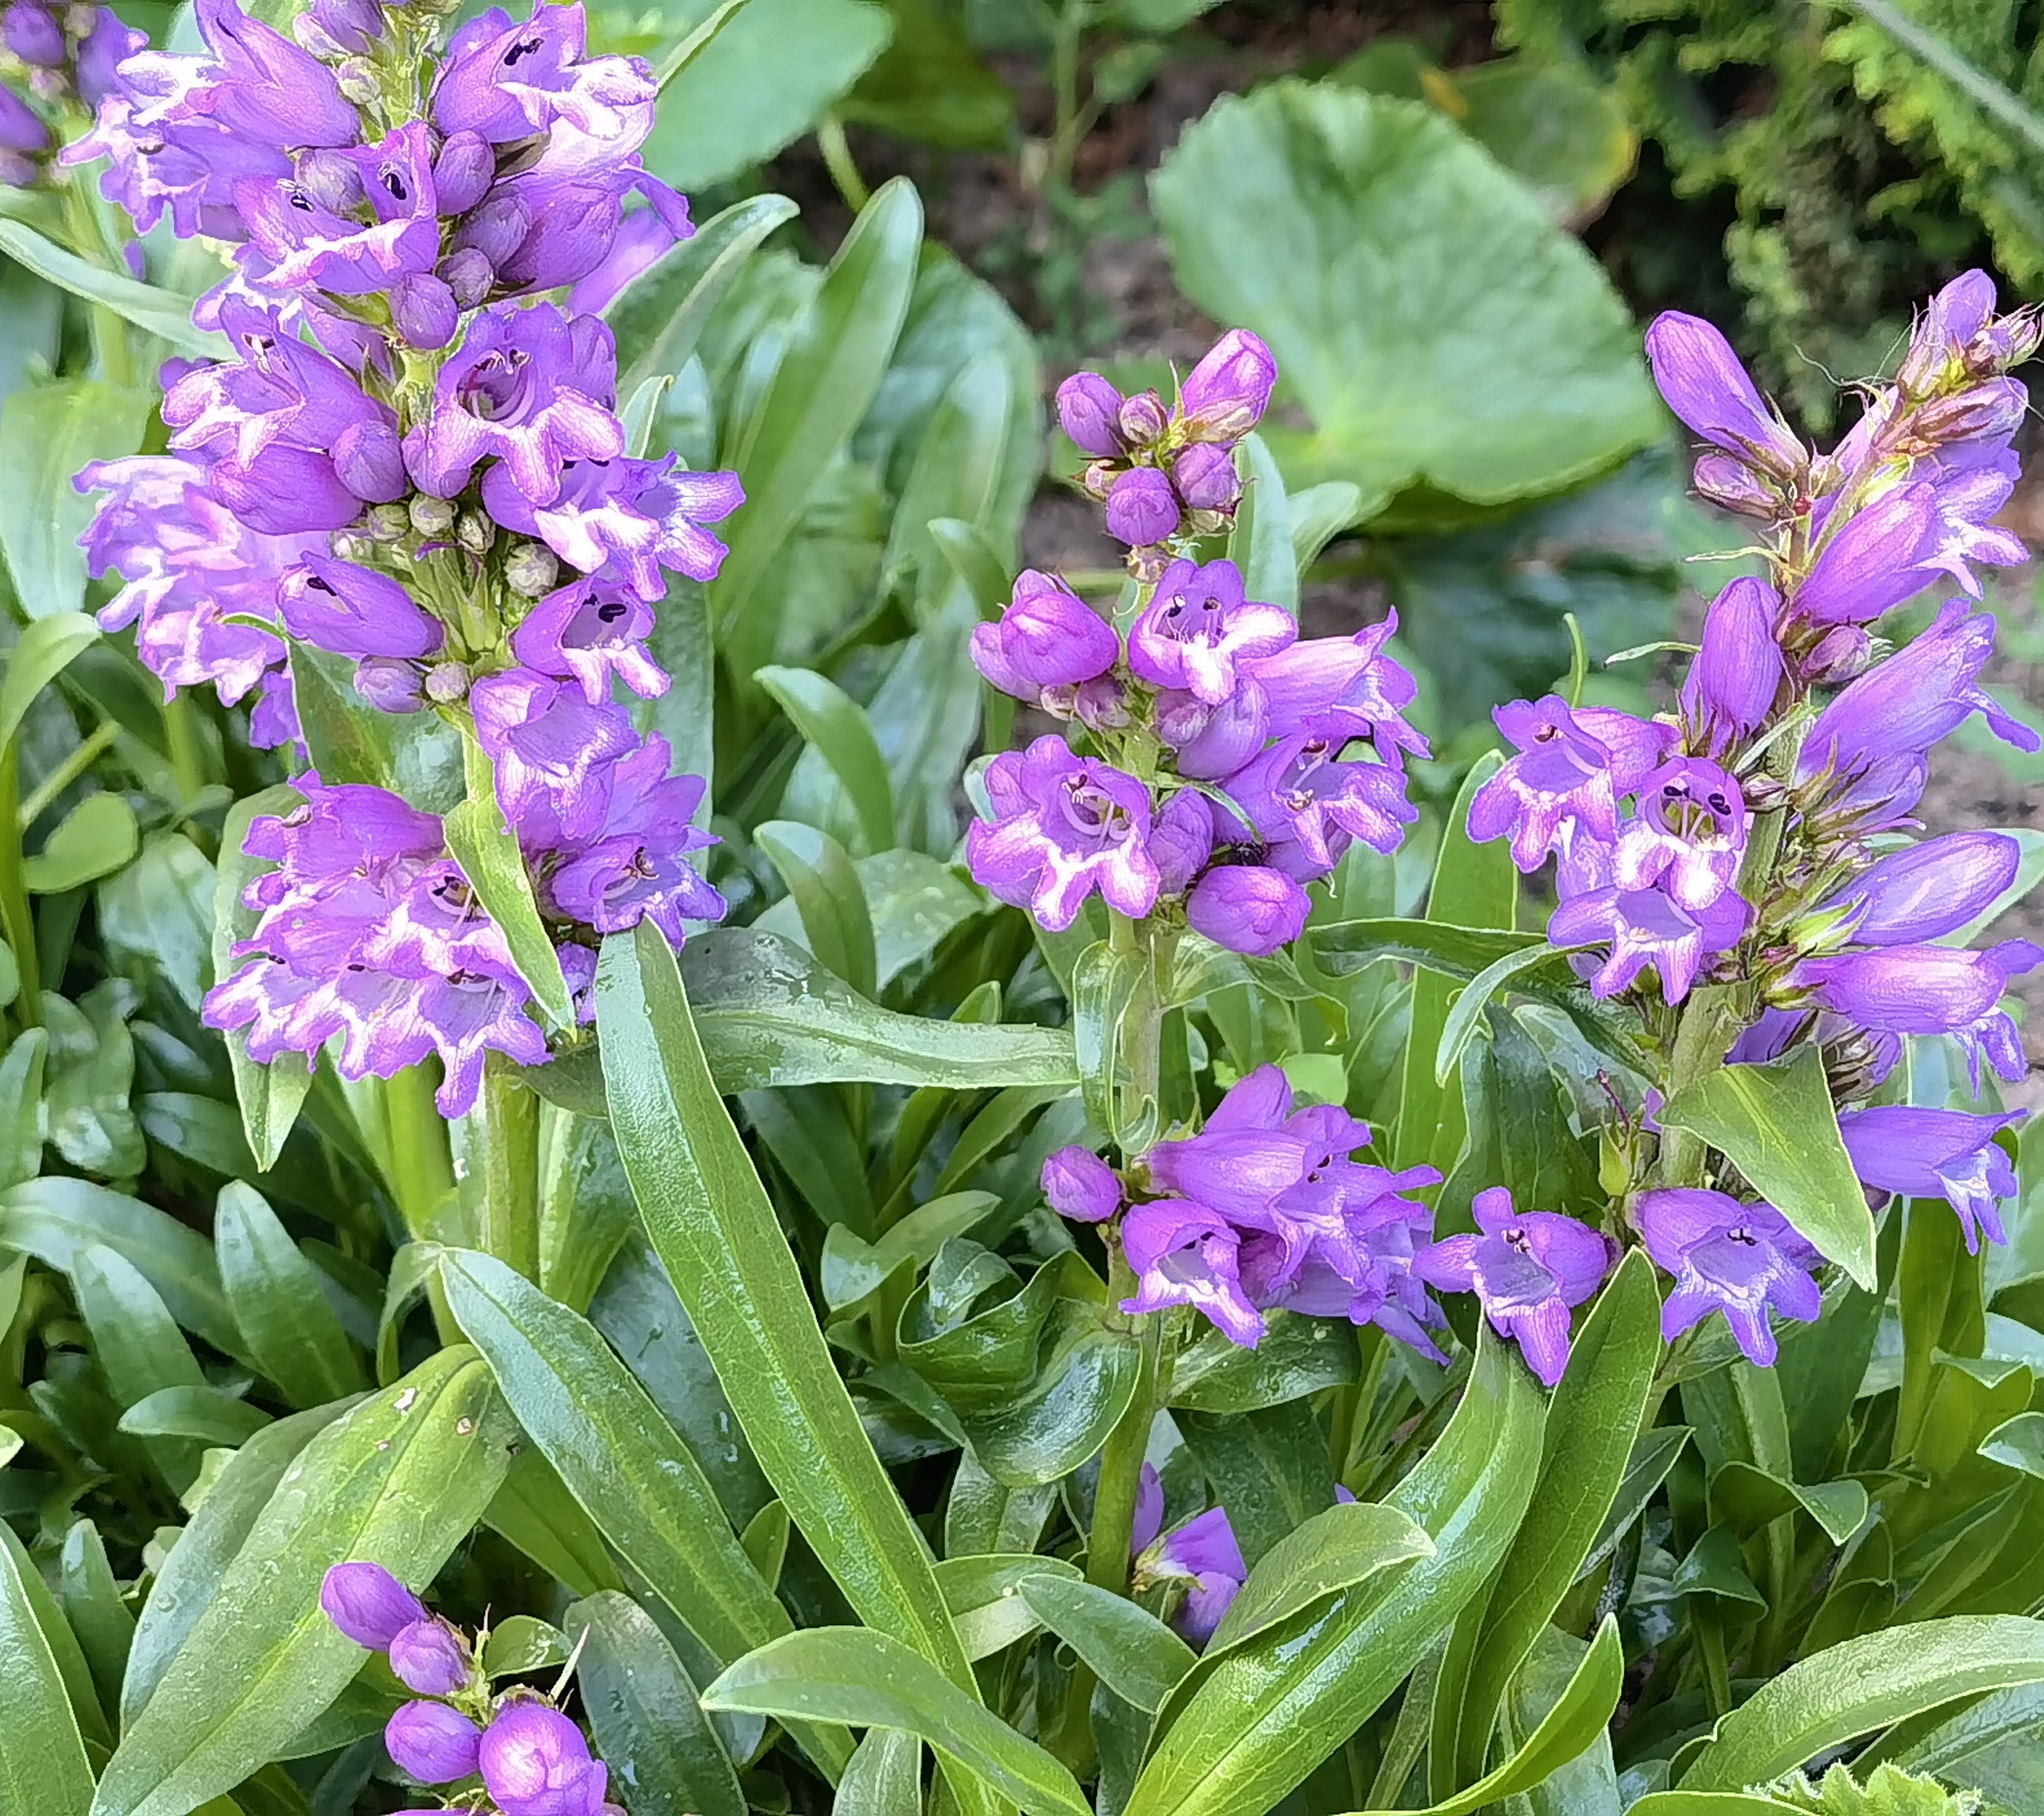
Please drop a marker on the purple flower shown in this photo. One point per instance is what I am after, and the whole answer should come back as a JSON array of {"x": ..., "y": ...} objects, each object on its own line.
[
  {"x": 1299, "y": 790},
  {"x": 1945, "y": 330},
  {"x": 535, "y": 1763},
  {"x": 21, "y": 135},
  {"x": 1224, "y": 396},
  {"x": 474, "y": 1012},
  {"x": 1382, "y": 1291},
  {"x": 307, "y": 241},
  {"x": 34, "y": 34},
  {"x": 1185, "y": 1254},
  {"x": 432, "y": 1743},
  {"x": 1873, "y": 562},
  {"x": 591, "y": 630},
  {"x": 354, "y": 611},
  {"x": 1047, "y": 636},
  {"x": 1733, "y": 682},
  {"x": 1355, "y": 674},
  {"x": 1204, "y": 476},
  {"x": 1924, "y": 891},
  {"x": 1203, "y": 1555},
  {"x": 1068, "y": 825},
  {"x": 1141, "y": 508},
  {"x": 368, "y": 1603},
  {"x": 1690, "y": 837},
  {"x": 428, "y": 1656},
  {"x": 1198, "y": 627},
  {"x": 568, "y": 213},
  {"x": 1247, "y": 1153},
  {"x": 1642, "y": 926},
  {"x": 1707, "y": 387},
  {"x": 1078, "y": 1184},
  {"x": 1935, "y": 1153},
  {"x": 1247, "y": 908},
  {"x": 1740, "y": 1259},
  {"x": 1929, "y": 990},
  {"x": 1565, "y": 775},
  {"x": 628, "y": 517},
  {"x": 1089, "y": 411},
  {"x": 642, "y": 239},
  {"x": 509, "y": 82},
  {"x": 552, "y": 748},
  {"x": 1215, "y": 742},
  {"x": 528, "y": 386},
  {"x": 261, "y": 86},
  {"x": 1527, "y": 1270}
]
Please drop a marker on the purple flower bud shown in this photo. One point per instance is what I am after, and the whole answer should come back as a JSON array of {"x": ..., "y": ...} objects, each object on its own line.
[
  {"x": 34, "y": 34},
  {"x": 351, "y": 24},
  {"x": 428, "y": 1657},
  {"x": 1248, "y": 908},
  {"x": 354, "y": 611},
  {"x": 1181, "y": 840},
  {"x": 1840, "y": 655},
  {"x": 390, "y": 686},
  {"x": 468, "y": 275},
  {"x": 1141, "y": 508},
  {"x": 1088, "y": 408},
  {"x": 368, "y": 1603},
  {"x": 1924, "y": 891},
  {"x": 1707, "y": 387},
  {"x": 1935, "y": 1153},
  {"x": 1740, "y": 1259},
  {"x": 424, "y": 310},
  {"x": 368, "y": 461},
  {"x": 1732, "y": 684},
  {"x": 1950, "y": 321},
  {"x": 1204, "y": 1554},
  {"x": 1729, "y": 482},
  {"x": 1215, "y": 742},
  {"x": 1224, "y": 396},
  {"x": 1929, "y": 990},
  {"x": 1101, "y": 705},
  {"x": 1872, "y": 562},
  {"x": 1047, "y": 637},
  {"x": 1081, "y": 1186},
  {"x": 20, "y": 133},
  {"x": 1141, "y": 419},
  {"x": 445, "y": 682},
  {"x": 332, "y": 178},
  {"x": 535, "y": 1763},
  {"x": 1206, "y": 477},
  {"x": 1995, "y": 410},
  {"x": 496, "y": 228},
  {"x": 436, "y": 1745},
  {"x": 463, "y": 172}
]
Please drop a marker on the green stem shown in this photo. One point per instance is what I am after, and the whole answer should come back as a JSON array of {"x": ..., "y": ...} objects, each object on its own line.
[
  {"x": 183, "y": 747},
  {"x": 511, "y": 1185},
  {"x": 839, "y": 160},
  {"x": 421, "y": 1171},
  {"x": 16, "y": 920},
  {"x": 1122, "y": 1460},
  {"x": 65, "y": 773},
  {"x": 1064, "y": 88},
  {"x": 1701, "y": 1040}
]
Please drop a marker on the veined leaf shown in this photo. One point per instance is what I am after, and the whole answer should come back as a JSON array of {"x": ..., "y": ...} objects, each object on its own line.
[
  {"x": 1343, "y": 1545},
  {"x": 482, "y": 843}
]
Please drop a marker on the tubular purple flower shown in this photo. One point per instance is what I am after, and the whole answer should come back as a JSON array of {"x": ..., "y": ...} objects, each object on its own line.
[
  {"x": 1690, "y": 837},
  {"x": 1142, "y": 509},
  {"x": 1203, "y": 1554},
  {"x": 1707, "y": 387},
  {"x": 1215, "y": 742},
  {"x": 1644, "y": 927},
  {"x": 435, "y": 1744},
  {"x": 307, "y": 244},
  {"x": 1248, "y": 908},
  {"x": 1929, "y": 990},
  {"x": 1181, "y": 840},
  {"x": 429, "y": 1658},
  {"x": 1528, "y": 1270},
  {"x": 1224, "y": 396},
  {"x": 1732, "y": 684},
  {"x": 642, "y": 240},
  {"x": 1204, "y": 476},
  {"x": 535, "y": 1763},
  {"x": 22, "y": 134},
  {"x": 1199, "y": 626},
  {"x": 1843, "y": 654},
  {"x": 1740, "y": 1259},
  {"x": 1564, "y": 776},
  {"x": 591, "y": 630},
  {"x": 1729, "y": 482},
  {"x": 1300, "y": 791},
  {"x": 261, "y": 86},
  {"x": 1068, "y": 826},
  {"x": 553, "y": 749},
  {"x": 1185, "y": 1254},
  {"x": 1927, "y": 890},
  {"x": 1948, "y": 325},
  {"x": 1143, "y": 419},
  {"x": 634, "y": 865},
  {"x": 1078, "y": 1184},
  {"x": 1048, "y": 636},
  {"x": 1872, "y": 562},
  {"x": 1942, "y": 1153},
  {"x": 624, "y": 518},
  {"x": 368, "y": 1603},
  {"x": 354, "y": 612},
  {"x": 510, "y": 81},
  {"x": 1355, "y": 674},
  {"x": 34, "y": 34},
  {"x": 1089, "y": 411}
]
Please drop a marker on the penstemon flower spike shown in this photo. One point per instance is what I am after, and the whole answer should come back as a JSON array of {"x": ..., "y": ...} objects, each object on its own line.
[{"x": 413, "y": 463}]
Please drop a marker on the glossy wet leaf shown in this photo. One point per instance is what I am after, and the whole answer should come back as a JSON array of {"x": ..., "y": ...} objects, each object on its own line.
[
  {"x": 47, "y": 433},
  {"x": 834, "y": 725},
  {"x": 43, "y": 1768},
  {"x": 42, "y": 652},
  {"x": 1297, "y": 1357},
  {"x": 481, "y": 840},
  {"x": 291, "y": 1330},
  {"x": 985, "y": 1594},
  {"x": 1126, "y": 1647},
  {"x": 200, "y": 1413},
  {"x": 837, "y": 924},
  {"x": 1344, "y": 1544},
  {"x": 93, "y": 841},
  {"x": 1063, "y": 1418},
  {"x": 1750, "y": 1498}
]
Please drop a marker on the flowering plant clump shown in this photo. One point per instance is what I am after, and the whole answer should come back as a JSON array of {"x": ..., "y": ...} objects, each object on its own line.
[{"x": 412, "y": 464}]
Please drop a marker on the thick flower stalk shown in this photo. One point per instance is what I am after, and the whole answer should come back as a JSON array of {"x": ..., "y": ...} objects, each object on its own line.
[
  {"x": 1731, "y": 870},
  {"x": 414, "y": 466}
]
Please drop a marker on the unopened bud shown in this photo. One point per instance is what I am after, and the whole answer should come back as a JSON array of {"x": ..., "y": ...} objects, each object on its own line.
[
  {"x": 475, "y": 532},
  {"x": 531, "y": 571},
  {"x": 1102, "y": 706},
  {"x": 1206, "y": 477},
  {"x": 1730, "y": 483},
  {"x": 352, "y": 548},
  {"x": 387, "y": 522},
  {"x": 1143, "y": 419},
  {"x": 330, "y": 179},
  {"x": 1099, "y": 478},
  {"x": 1994, "y": 408},
  {"x": 388, "y": 684},
  {"x": 447, "y": 682},
  {"x": 469, "y": 274},
  {"x": 430, "y": 516},
  {"x": 1841, "y": 653}
]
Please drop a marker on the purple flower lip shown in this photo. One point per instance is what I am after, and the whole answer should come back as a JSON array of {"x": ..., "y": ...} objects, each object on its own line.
[
  {"x": 1199, "y": 626},
  {"x": 1935, "y": 1153},
  {"x": 1186, "y": 1255},
  {"x": 1066, "y": 827},
  {"x": 1740, "y": 1259}
]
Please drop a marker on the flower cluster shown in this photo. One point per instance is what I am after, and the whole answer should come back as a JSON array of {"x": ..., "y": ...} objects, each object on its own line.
[
  {"x": 1266, "y": 1208},
  {"x": 413, "y": 468},
  {"x": 1166, "y": 475},
  {"x": 56, "y": 61},
  {"x": 1797, "y": 722},
  {"x": 533, "y": 1759},
  {"x": 1227, "y": 762}
]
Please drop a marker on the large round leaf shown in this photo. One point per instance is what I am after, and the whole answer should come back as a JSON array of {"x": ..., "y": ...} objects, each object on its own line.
[{"x": 1450, "y": 346}]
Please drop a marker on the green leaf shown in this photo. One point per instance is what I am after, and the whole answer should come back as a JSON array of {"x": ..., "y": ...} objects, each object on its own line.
[
  {"x": 535, "y": 1510},
  {"x": 159, "y": 312},
  {"x": 522, "y": 1646},
  {"x": 1752, "y": 1498},
  {"x": 1254, "y": 1721},
  {"x": 1775, "y": 1123},
  {"x": 2018, "y": 1444},
  {"x": 885, "y": 1777},
  {"x": 482, "y": 843},
  {"x": 658, "y": 316},
  {"x": 94, "y": 1609},
  {"x": 43, "y": 1769},
  {"x": 1465, "y": 1013},
  {"x": 1294, "y": 210},
  {"x": 837, "y": 352},
  {"x": 275, "y": 1295},
  {"x": 1269, "y": 1468},
  {"x": 47, "y": 433},
  {"x": 1705, "y": 1804},
  {"x": 1653, "y": 1455},
  {"x": 1850, "y": 1689},
  {"x": 645, "y": 1715},
  {"x": 417, "y": 755},
  {"x": 1127, "y": 1648},
  {"x": 852, "y": 1268},
  {"x": 834, "y": 723},
  {"x": 694, "y": 42},
  {"x": 93, "y": 841},
  {"x": 1103, "y": 983},
  {"x": 1437, "y": 946},
  {"x": 721, "y": 1244},
  {"x": 956, "y": 475},
  {"x": 769, "y": 1015},
  {"x": 65, "y": 1650},
  {"x": 203, "y": 1413},
  {"x": 837, "y": 924},
  {"x": 869, "y": 1679},
  {"x": 1046, "y": 1431},
  {"x": 21, "y": 1128},
  {"x": 398, "y": 1481},
  {"x": 1591, "y": 1425},
  {"x": 1343, "y": 1545},
  {"x": 930, "y": 86},
  {"x": 1297, "y": 1357},
  {"x": 45, "y": 648},
  {"x": 138, "y": 1347},
  {"x": 1260, "y": 543},
  {"x": 269, "y": 1096},
  {"x": 983, "y": 1594}
]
